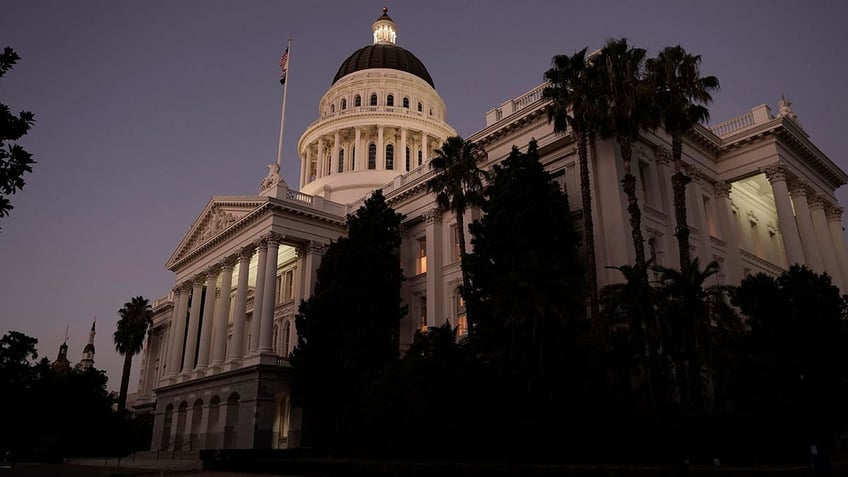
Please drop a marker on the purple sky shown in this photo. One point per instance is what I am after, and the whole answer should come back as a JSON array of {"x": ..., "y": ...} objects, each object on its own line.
[{"x": 146, "y": 110}]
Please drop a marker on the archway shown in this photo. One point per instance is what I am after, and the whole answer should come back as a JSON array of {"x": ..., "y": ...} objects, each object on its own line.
[
  {"x": 231, "y": 426},
  {"x": 179, "y": 440},
  {"x": 166, "y": 428},
  {"x": 196, "y": 418},
  {"x": 213, "y": 431}
]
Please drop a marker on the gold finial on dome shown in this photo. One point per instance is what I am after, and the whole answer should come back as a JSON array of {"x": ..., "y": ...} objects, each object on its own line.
[{"x": 385, "y": 30}]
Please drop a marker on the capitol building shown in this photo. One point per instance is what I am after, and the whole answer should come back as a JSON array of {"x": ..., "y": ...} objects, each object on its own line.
[{"x": 215, "y": 371}]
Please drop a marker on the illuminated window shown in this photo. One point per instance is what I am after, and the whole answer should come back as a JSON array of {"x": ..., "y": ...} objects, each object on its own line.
[
  {"x": 390, "y": 157},
  {"x": 422, "y": 313},
  {"x": 406, "y": 103},
  {"x": 374, "y": 99},
  {"x": 341, "y": 160},
  {"x": 420, "y": 107},
  {"x": 420, "y": 156},
  {"x": 421, "y": 260},
  {"x": 357, "y": 101},
  {"x": 372, "y": 156},
  {"x": 461, "y": 318},
  {"x": 390, "y": 100},
  {"x": 407, "y": 159},
  {"x": 344, "y": 104}
]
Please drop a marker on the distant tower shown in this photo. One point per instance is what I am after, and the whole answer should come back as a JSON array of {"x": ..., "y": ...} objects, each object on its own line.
[
  {"x": 61, "y": 364},
  {"x": 87, "y": 360}
]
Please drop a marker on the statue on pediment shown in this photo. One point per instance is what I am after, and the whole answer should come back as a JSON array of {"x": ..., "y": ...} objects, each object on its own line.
[
  {"x": 784, "y": 108},
  {"x": 273, "y": 178}
]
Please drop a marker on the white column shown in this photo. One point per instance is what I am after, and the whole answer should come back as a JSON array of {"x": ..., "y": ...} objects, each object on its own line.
[
  {"x": 730, "y": 231},
  {"x": 173, "y": 326},
  {"x": 433, "y": 234},
  {"x": 236, "y": 350},
  {"x": 304, "y": 166},
  {"x": 334, "y": 162},
  {"x": 320, "y": 172},
  {"x": 208, "y": 314},
  {"x": 828, "y": 254},
  {"x": 425, "y": 150},
  {"x": 311, "y": 261},
  {"x": 381, "y": 151},
  {"x": 357, "y": 149},
  {"x": 672, "y": 257},
  {"x": 705, "y": 251},
  {"x": 776, "y": 174},
  {"x": 222, "y": 313},
  {"x": 193, "y": 324},
  {"x": 258, "y": 295},
  {"x": 837, "y": 237},
  {"x": 402, "y": 152},
  {"x": 267, "y": 321},
  {"x": 809, "y": 243},
  {"x": 307, "y": 175}
]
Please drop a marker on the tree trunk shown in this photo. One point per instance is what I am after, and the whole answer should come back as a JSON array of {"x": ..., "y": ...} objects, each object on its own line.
[
  {"x": 125, "y": 382},
  {"x": 678, "y": 183},
  {"x": 466, "y": 285},
  {"x": 588, "y": 224},
  {"x": 629, "y": 186}
]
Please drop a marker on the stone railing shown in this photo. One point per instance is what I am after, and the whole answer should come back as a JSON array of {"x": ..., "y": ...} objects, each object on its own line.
[
  {"x": 169, "y": 298},
  {"x": 528, "y": 98},
  {"x": 299, "y": 197},
  {"x": 759, "y": 115},
  {"x": 371, "y": 109}
]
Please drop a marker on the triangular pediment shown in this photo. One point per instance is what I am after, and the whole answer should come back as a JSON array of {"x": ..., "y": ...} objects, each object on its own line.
[{"x": 219, "y": 215}]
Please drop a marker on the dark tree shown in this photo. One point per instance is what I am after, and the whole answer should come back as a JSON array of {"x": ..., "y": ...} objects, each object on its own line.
[
  {"x": 133, "y": 326},
  {"x": 526, "y": 274},
  {"x": 14, "y": 160},
  {"x": 348, "y": 330}
]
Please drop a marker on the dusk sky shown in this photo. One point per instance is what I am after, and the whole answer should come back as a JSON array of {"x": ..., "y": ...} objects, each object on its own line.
[{"x": 145, "y": 110}]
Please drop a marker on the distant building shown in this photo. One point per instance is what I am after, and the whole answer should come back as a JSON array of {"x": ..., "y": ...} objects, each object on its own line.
[
  {"x": 215, "y": 369},
  {"x": 87, "y": 360},
  {"x": 61, "y": 363}
]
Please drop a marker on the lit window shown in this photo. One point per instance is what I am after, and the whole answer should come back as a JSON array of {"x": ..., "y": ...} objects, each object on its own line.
[
  {"x": 406, "y": 103},
  {"x": 421, "y": 260},
  {"x": 357, "y": 101},
  {"x": 407, "y": 159},
  {"x": 374, "y": 99},
  {"x": 341, "y": 160},
  {"x": 390, "y": 100},
  {"x": 420, "y": 107},
  {"x": 372, "y": 156},
  {"x": 422, "y": 314},
  {"x": 344, "y": 104},
  {"x": 390, "y": 157},
  {"x": 461, "y": 318}
]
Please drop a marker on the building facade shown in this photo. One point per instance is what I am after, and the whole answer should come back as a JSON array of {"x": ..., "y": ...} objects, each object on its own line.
[{"x": 215, "y": 370}]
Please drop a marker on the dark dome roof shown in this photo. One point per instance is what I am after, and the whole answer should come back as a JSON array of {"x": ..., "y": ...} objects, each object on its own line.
[{"x": 383, "y": 56}]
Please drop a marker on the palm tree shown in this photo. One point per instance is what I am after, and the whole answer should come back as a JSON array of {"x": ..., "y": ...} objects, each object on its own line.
[
  {"x": 572, "y": 90},
  {"x": 136, "y": 319},
  {"x": 626, "y": 112},
  {"x": 680, "y": 97},
  {"x": 458, "y": 184}
]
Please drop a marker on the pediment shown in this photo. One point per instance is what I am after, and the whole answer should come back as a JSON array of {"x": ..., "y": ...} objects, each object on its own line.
[{"x": 219, "y": 215}]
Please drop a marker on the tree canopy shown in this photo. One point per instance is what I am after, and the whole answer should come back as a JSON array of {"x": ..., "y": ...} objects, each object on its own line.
[{"x": 15, "y": 161}]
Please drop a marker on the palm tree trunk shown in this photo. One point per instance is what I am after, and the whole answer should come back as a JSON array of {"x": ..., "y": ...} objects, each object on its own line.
[
  {"x": 678, "y": 183},
  {"x": 629, "y": 186},
  {"x": 466, "y": 284},
  {"x": 125, "y": 382},
  {"x": 588, "y": 224}
]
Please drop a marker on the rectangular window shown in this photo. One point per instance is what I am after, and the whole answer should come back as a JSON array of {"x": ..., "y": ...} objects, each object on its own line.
[
  {"x": 421, "y": 257},
  {"x": 455, "y": 248},
  {"x": 422, "y": 313},
  {"x": 645, "y": 183},
  {"x": 278, "y": 290},
  {"x": 461, "y": 319},
  {"x": 288, "y": 292}
]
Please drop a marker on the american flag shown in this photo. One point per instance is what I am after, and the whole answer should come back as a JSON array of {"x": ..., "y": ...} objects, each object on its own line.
[{"x": 284, "y": 66}]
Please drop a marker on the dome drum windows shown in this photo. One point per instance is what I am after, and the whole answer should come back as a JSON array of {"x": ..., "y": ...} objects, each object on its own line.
[
  {"x": 344, "y": 104},
  {"x": 390, "y": 157},
  {"x": 373, "y": 99},
  {"x": 341, "y": 160},
  {"x": 357, "y": 101},
  {"x": 390, "y": 100},
  {"x": 372, "y": 156},
  {"x": 420, "y": 107},
  {"x": 406, "y": 102}
]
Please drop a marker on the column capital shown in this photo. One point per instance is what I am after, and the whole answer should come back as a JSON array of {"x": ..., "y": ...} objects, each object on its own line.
[
  {"x": 229, "y": 262},
  {"x": 797, "y": 187},
  {"x": 775, "y": 172},
  {"x": 432, "y": 216},
  {"x": 816, "y": 202},
  {"x": 177, "y": 290},
  {"x": 315, "y": 248},
  {"x": 246, "y": 253},
  {"x": 833, "y": 213},
  {"x": 273, "y": 237},
  {"x": 213, "y": 270},
  {"x": 694, "y": 172},
  {"x": 186, "y": 286},
  {"x": 663, "y": 155},
  {"x": 199, "y": 279},
  {"x": 722, "y": 189},
  {"x": 261, "y": 243}
]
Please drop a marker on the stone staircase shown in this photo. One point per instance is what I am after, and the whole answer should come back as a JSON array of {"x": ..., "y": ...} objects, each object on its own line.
[{"x": 159, "y": 460}]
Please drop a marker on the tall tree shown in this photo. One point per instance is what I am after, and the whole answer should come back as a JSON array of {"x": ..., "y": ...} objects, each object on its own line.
[
  {"x": 458, "y": 184},
  {"x": 14, "y": 160},
  {"x": 136, "y": 318},
  {"x": 680, "y": 97},
  {"x": 526, "y": 273},
  {"x": 347, "y": 332},
  {"x": 627, "y": 111},
  {"x": 573, "y": 92}
]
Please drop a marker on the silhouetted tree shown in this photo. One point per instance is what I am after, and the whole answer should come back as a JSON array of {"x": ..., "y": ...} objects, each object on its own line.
[
  {"x": 14, "y": 160},
  {"x": 348, "y": 330},
  {"x": 133, "y": 326}
]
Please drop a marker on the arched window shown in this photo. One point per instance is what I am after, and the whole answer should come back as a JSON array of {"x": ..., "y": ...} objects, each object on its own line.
[
  {"x": 420, "y": 158},
  {"x": 431, "y": 111},
  {"x": 344, "y": 104},
  {"x": 406, "y": 103},
  {"x": 390, "y": 100},
  {"x": 357, "y": 101},
  {"x": 372, "y": 156},
  {"x": 374, "y": 99},
  {"x": 353, "y": 158},
  {"x": 329, "y": 162},
  {"x": 332, "y": 108},
  {"x": 407, "y": 159},
  {"x": 390, "y": 157},
  {"x": 341, "y": 160},
  {"x": 461, "y": 320},
  {"x": 420, "y": 107}
]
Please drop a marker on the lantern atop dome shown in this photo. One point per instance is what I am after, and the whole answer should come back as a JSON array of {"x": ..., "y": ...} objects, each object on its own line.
[{"x": 385, "y": 30}]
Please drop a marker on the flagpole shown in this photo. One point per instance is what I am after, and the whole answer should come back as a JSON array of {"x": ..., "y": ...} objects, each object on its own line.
[{"x": 283, "y": 112}]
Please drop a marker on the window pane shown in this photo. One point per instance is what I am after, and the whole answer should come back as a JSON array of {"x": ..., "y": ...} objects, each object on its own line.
[
  {"x": 372, "y": 156},
  {"x": 390, "y": 157}
]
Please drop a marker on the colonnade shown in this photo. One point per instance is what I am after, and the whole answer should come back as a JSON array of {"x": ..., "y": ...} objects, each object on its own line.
[
  {"x": 811, "y": 227},
  {"x": 321, "y": 156},
  {"x": 197, "y": 338}
]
